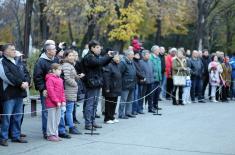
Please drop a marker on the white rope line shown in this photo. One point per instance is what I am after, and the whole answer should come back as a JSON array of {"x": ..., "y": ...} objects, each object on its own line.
[
  {"x": 25, "y": 113},
  {"x": 133, "y": 100}
]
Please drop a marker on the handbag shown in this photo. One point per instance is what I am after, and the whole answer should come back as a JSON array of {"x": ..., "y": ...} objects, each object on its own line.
[{"x": 179, "y": 80}]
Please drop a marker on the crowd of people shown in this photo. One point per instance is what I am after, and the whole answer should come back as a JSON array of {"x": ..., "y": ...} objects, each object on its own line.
[{"x": 137, "y": 76}]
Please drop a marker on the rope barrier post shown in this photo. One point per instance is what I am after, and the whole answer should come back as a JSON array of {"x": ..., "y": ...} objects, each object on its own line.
[
  {"x": 33, "y": 107},
  {"x": 92, "y": 120}
]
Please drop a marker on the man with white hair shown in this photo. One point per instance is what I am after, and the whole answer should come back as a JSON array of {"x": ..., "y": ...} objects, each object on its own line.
[
  {"x": 41, "y": 68},
  {"x": 128, "y": 72},
  {"x": 157, "y": 71}
]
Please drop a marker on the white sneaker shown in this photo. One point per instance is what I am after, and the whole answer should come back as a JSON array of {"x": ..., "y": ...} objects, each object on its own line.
[
  {"x": 116, "y": 121},
  {"x": 189, "y": 102},
  {"x": 214, "y": 101},
  {"x": 109, "y": 122}
]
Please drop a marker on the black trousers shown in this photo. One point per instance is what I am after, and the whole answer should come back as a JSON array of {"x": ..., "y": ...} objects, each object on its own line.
[
  {"x": 180, "y": 94},
  {"x": 169, "y": 87},
  {"x": 225, "y": 93},
  {"x": 110, "y": 106},
  {"x": 204, "y": 85}
]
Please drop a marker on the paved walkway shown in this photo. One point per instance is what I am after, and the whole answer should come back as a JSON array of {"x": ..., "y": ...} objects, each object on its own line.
[{"x": 195, "y": 129}]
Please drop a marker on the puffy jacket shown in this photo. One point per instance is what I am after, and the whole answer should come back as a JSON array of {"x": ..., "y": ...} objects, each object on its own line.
[
  {"x": 70, "y": 83},
  {"x": 156, "y": 67},
  {"x": 41, "y": 68},
  {"x": 93, "y": 69},
  {"x": 128, "y": 71},
  {"x": 112, "y": 80},
  {"x": 12, "y": 75},
  {"x": 55, "y": 90}
]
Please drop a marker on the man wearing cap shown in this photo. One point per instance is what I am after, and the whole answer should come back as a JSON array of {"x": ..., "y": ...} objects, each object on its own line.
[
  {"x": 40, "y": 70},
  {"x": 14, "y": 80}
]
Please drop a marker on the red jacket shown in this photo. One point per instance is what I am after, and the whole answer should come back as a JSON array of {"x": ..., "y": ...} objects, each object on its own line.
[
  {"x": 55, "y": 90},
  {"x": 136, "y": 45},
  {"x": 169, "y": 61}
]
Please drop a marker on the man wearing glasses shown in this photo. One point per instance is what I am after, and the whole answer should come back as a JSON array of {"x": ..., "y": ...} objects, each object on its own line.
[{"x": 42, "y": 67}]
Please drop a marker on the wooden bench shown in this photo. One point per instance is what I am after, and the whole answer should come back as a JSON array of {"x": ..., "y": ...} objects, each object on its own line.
[{"x": 33, "y": 102}]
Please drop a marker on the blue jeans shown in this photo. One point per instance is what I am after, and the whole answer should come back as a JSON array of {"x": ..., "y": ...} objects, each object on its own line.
[
  {"x": 90, "y": 105},
  {"x": 69, "y": 113},
  {"x": 163, "y": 86},
  {"x": 126, "y": 108},
  {"x": 233, "y": 87},
  {"x": 62, "y": 129},
  {"x": 137, "y": 96},
  {"x": 196, "y": 85},
  {"x": 44, "y": 114},
  {"x": 12, "y": 106}
]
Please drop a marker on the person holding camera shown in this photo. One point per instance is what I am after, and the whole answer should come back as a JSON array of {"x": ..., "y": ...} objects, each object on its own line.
[{"x": 93, "y": 63}]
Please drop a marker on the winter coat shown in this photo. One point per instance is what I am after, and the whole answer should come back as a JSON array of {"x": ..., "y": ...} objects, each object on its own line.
[
  {"x": 139, "y": 71},
  {"x": 93, "y": 69},
  {"x": 148, "y": 71},
  {"x": 128, "y": 72},
  {"x": 169, "y": 62},
  {"x": 112, "y": 80},
  {"x": 206, "y": 61},
  {"x": 156, "y": 67},
  {"x": 227, "y": 73},
  {"x": 136, "y": 45},
  {"x": 197, "y": 68},
  {"x": 163, "y": 63},
  {"x": 232, "y": 63},
  {"x": 12, "y": 75},
  {"x": 70, "y": 83},
  {"x": 55, "y": 90},
  {"x": 179, "y": 67},
  {"x": 41, "y": 68}
]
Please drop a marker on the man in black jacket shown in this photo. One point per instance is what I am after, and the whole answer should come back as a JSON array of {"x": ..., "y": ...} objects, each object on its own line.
[
  {"x": 93, "y": 64},
  {"x": 41, "y": 68},
  {"x": 128, "y": 71},
  {"x": 205, "y": 60},
  {"x": 14, "y": 80}
]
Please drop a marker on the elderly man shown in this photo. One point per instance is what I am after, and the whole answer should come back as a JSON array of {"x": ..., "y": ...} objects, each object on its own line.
[
  {"x": 14, "y": 80},
  {"x": 148, "y": 72},
  {"x": 157, "y": 71},
  {"x": 41, "y": 68},
  {"x": 197, "y": 70},
  {"x": 129, "y": 79}
]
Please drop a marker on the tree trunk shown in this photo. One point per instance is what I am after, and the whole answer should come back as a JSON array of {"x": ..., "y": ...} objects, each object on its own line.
[
  {"x": 229, "y": 34},
  {"x": 159, "y": 24},
  {"x": 90, "y": 30},
  {"x": 27, "y": 27},
  {"x": 70, "y": 30},
  {"x": 44, "y": 28}
]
